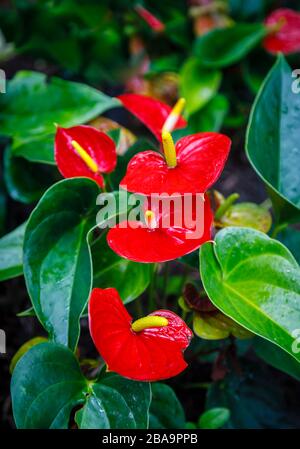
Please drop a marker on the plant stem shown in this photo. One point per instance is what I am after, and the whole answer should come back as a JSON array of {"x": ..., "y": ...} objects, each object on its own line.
[
  {"x": 278, "y": 228},
  {"x": 152, "y": 301},
  {"x": 226, "y": 205}
]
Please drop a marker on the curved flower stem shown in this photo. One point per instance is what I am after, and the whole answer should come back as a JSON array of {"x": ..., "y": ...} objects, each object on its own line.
[
  {"x": 152, "y": 285},
  {"x": 278, "y": 228},
  {"x": 225, "y": 206}
]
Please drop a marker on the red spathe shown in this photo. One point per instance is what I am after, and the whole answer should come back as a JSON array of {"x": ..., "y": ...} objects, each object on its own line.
[
  {"x": 150, "y": 355},
  {"x": 200, "y": 161},
  {"x": 153, "y": 113},
  {"x": 97, "y": 145},
  {"x": 138, "y": 243}
]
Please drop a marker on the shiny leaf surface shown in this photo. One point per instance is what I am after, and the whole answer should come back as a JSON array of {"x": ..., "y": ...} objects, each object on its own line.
[{"x": 255, "y": 281}]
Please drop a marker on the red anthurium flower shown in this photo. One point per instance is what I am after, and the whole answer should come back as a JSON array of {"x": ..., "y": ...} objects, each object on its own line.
[
  {"x": 155, "y": 114},
  {"x": 190, "y": 166},
  {"x": 159, "y": 239},
  {"x": 284, "y": 37},
  {"x": 84, "y": 151},
  {"x": 148, "y": 349},
  {"x": 150, "y": 19}
]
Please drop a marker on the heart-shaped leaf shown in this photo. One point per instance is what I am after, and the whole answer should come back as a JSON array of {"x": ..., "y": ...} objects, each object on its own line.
[
  {"x": 272, "y": 142},
  {"x": 11, "y": 253},
  {"x": 256, "y": 281},
  {"x": 32, "y": 105},
  {"x": 166, "y": 412},
  {"x": 110, "y": 270},
  {"x": 24, "y": 181},
  {"x": 198, "y": 85},
  {"x": 225, "y": 46},
  {"x": 57, "y": 261},
  {"x": 276, "y": 357},
  {"x": 116, "y": 403},
  {"x": 48, "y": 378}
]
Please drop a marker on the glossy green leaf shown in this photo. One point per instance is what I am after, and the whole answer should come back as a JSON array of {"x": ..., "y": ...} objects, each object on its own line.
[
  {"x": 26, "y": 182},
  {"x": 2, "y": 208},
  {"x": 198, "y": 84},
  {"x": 215, "y": 418},
  {"x": 225, "y": 46},
  {"x": 48, "y": 378},
  {"x": 254, "y": 402},
  {"x": 290, "y": 237},
  {"x": 210, "y": 118},
  {"x": 116, "y": 403},
  {"x": 272, "y": 142},
  {"x": 57, "y": 260},
  {"x": 166, "y": 412},
  {"x": 11, "y": 253},
  {"x": 32, "y": 105},
  {"x": 276, "y": 357},
  {"x": 130, "y": 278},
  {"x": 23, "y": 349},
  {"x": 255, "y": 281}
]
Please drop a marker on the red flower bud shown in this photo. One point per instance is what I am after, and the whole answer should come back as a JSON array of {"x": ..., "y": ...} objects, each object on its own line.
[
  {"x": 150, "y": 19},
  {"x": 284, "y": 26},
  {"x": 149, "y": 349}
]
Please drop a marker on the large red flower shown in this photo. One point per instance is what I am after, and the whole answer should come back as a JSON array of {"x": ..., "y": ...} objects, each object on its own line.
[
  {"x": 191, "y": 166},
  {"x": 154, "y": 113},
  {"x": 285, "y": 37},
  {"x": 149, "y": 349},
  {"x": 84, "y": 151},
  {"x": 160, "y": 238}
]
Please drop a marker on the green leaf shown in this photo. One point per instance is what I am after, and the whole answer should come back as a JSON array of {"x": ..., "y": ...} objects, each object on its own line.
[
  {"x": 272, "y": 143},
  {"x": 130, "y": 278},
  {"x": 198, "y": 85},
  {"x": 290, "y": 237},
  {"x": 166, "y": 412},
  {"x": 255, "y": 281},
  {"x": 116, "y": 403},
  {"x": 215, "y": 418},
  {"x": 32, "y": 105},
  {"x": 11, "y": 253},
  {"x": 57, "y": 260},
  {"x": 254, "y": 401},
  {"x": 48, "y": 378},
  {"x": 276, "y": 357},
  {"x": 211, "y": 117},
  {"x": 24, "y": 181},
  {"x": 23, "y": 349},
  {"x": 225, "y": 46}
]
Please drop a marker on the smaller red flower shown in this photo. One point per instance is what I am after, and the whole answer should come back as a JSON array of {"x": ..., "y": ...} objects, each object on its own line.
[
  {"x": 191, "y": 166},
  {"x": 284, "y": 37},
  {"x": 150, "y": 19},
  {"x": 155, "y": 114},
  {"x": 84, "y": 151},
  {"x": 148, "y": 349},
  {"x": 160, "y": 240}
]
